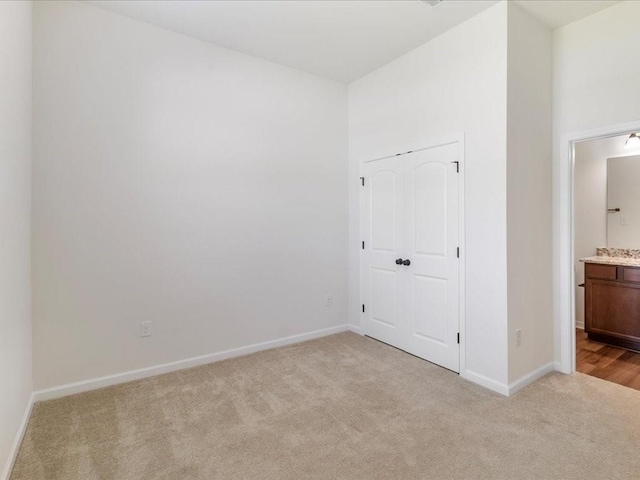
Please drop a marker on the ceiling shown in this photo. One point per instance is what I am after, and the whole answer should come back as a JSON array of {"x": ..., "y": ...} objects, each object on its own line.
[
  {"x": 558, "y": 13},
  {"x": 338, "y": 39}
]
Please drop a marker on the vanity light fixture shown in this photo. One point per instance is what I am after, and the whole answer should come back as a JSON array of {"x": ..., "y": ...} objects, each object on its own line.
[{"x": 632, "y": 142}]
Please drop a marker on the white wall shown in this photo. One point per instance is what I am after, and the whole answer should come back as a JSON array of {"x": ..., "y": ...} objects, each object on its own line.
[
  {"x": 455, "y": 83},
  {"x": 15, "y": 218},
  {"x": 180, "y": 183},
  {"x": 623, "y": 178},
  {"x": 595, "y": 79},
  {"x": 590, "y": 205},
  {"x": 595, "y": 72},
  {"x": 529, "y": 223}
]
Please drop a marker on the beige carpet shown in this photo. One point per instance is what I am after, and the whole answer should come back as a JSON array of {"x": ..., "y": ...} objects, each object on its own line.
[{"x": 342, "y": 407}]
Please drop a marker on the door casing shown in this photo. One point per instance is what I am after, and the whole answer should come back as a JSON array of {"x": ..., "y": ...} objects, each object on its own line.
[{"x": 563, "y": 241}]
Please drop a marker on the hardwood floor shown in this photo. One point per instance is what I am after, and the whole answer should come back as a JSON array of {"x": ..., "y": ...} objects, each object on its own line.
[{"x": 614, "y": 364}]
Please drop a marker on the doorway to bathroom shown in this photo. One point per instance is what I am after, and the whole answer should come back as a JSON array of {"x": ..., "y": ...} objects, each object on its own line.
[{"x": 606, "y": 257}]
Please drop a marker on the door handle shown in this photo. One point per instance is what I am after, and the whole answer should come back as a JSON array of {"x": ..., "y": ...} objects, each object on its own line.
[
  {"x": 407, "y": 262},
  {"x": 398, "y": 261}
]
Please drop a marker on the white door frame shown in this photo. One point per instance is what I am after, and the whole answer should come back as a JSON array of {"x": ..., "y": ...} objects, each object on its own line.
[
  {"x": 459, "y": 139},
  {"x": 564, "y": 228}
]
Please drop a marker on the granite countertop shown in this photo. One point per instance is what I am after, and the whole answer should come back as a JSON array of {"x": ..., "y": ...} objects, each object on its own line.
[{"x": 624, "y": 261}]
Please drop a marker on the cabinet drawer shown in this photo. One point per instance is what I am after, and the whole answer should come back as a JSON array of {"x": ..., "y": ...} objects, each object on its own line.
[
  {"x": 630, "y": 274},
  {"x": 604, "y": 272}
]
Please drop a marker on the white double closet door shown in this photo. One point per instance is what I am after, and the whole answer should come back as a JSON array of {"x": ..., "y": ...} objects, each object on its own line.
[{"x": 410, "y": 264}]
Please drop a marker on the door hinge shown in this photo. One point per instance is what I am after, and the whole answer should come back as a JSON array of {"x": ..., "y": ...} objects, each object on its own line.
[
  {"x": 457, "y": 166},
  {"x": 362, "y": 180},
  {"x": 458, "y": 252},
  {"x": 458, "y": 337},
  {"x": 363, "y": 308},
  {"x": 363, "y": 244}
]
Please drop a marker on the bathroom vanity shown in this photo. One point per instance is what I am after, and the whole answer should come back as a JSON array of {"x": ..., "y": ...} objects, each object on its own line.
[{"x": 612, "y": 298}]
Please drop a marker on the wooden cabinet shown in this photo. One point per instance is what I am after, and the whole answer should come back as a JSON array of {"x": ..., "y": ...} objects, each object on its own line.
[{"x": 612, "y": 304}]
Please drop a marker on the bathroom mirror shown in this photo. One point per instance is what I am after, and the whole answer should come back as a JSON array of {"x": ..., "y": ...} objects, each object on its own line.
[{"x": 623, "y": 202}]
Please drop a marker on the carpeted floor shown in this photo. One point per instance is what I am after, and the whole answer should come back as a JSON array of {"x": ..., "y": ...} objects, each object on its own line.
[{"x": 342, "y": 407}]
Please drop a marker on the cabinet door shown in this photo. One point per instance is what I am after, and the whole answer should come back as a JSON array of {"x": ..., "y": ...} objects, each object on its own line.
[{"x": 613, "y": 309}]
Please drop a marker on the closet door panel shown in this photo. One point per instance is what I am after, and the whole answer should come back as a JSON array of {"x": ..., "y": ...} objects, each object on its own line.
[
  {"x": 382, "y": 232},
  {"x": 431, "y": 245}
]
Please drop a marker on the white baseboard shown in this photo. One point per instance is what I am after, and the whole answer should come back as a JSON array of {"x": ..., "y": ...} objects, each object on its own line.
[
  {"x": 558, "y": 367},
  {"x": 355, "y": 329},
  {"x": 486, "y": 382},
  {"x": 580, "y": 325},
  {"x": 13, "y": 454},
  {"x": 115, "y": 379},
  {"x": 531, "y": 377},
  {"x": 503, "y": 388}
]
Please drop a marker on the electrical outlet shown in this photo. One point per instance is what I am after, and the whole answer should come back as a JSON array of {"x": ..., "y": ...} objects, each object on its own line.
[
  {"x": 145, "y": 329},
  {"x": 518, "y": 337},
  {"x": 329, "y": 301}
]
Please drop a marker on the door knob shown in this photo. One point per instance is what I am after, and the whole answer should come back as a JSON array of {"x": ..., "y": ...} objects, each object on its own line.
[
  {"x": 398, "y": 261},
  {"x": 407, "y": 262}
]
